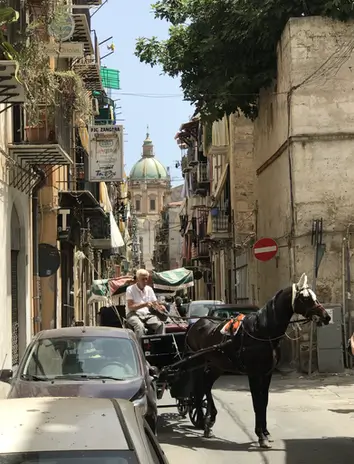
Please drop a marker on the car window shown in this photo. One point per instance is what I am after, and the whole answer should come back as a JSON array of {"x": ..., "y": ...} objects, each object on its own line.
[
  {"x": 201, "y": 309},
  {"x": 156, "y": 453},
  {"x": 84, "y": 356},
  {"x": 70, "y": 457}
]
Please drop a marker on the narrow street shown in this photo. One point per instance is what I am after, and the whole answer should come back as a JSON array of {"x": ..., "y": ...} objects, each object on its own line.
[{"x": 311, "y": 422}]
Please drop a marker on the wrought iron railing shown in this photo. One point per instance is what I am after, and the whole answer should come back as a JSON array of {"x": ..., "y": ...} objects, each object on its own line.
[
  {"x": 203, "y": 249},
  {"x": 221, "y": 222},
  {"x": 203, "y": 173},
  {"x": 100, "y": 227},
  {"x": 200, "y": 250}
]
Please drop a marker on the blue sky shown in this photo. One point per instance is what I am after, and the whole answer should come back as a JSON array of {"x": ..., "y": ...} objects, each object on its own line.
[{"x": 164, "y": 112}]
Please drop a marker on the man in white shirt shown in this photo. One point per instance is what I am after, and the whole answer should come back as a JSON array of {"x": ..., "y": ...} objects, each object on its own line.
[{"x": 140, "y": 297}]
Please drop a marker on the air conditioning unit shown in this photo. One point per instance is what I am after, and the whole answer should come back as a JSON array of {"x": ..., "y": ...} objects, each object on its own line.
[{"x": 95, "y": 107}]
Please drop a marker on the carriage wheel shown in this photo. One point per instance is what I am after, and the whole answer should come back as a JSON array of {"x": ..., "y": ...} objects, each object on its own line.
[
  {"x": 193, "y": 414},
  {"x": 182, "y": 408}
]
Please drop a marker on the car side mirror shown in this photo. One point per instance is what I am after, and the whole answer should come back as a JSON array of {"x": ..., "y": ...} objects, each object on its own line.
[{"x": 6, "y": 375}]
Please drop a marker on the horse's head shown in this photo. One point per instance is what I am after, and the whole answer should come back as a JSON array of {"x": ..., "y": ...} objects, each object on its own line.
[{"x": 305, "y": 302}]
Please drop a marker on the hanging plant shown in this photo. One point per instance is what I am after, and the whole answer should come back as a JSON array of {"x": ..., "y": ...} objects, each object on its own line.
[
  {"x": 38, "y": 79},
  {"x": 77, "y": 99}
]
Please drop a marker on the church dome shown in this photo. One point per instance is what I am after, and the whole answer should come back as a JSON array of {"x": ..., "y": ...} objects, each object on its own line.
[{"x": 148, "y": 167}]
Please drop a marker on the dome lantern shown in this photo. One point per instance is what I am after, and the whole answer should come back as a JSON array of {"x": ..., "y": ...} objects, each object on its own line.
[
  {"x": 148, "y": 147},
  {"x": 148, "y": 168}
]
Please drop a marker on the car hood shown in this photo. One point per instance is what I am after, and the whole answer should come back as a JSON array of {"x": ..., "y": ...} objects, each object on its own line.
[{"x": 125, "y": 389}]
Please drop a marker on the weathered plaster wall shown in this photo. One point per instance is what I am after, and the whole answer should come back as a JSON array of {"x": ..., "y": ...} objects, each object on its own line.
[
  {"x": 13, "y": 200},
  {"x": 315, "y": 62}
]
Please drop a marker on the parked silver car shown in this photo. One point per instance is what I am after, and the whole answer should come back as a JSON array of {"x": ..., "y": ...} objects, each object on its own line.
[{"x": 75, "y": 431}]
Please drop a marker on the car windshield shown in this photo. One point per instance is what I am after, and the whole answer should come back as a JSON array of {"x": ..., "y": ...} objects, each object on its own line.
[
  {"x": 70, "y": 457},
  {"x": 201, "y": 309},
  {"x": 80, "y": 357}
]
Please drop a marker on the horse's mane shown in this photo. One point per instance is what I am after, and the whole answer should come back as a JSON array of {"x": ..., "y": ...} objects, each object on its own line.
[{"x": 260, "y": 321}]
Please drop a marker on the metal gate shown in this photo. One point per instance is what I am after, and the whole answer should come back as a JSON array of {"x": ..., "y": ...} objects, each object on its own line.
[{"x": 14, "y": 308}]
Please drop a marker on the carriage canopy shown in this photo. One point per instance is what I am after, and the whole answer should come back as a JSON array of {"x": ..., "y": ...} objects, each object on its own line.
[{"x": 166, "y": 281}]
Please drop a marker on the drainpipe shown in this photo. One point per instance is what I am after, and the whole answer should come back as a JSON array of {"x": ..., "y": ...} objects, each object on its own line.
[
  {"x": 37, "y": 287},
  {"x": 349, "y": 303}
]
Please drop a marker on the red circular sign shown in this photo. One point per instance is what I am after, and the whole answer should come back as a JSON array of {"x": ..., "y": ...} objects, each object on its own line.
[{"x": 265, "y": 249}]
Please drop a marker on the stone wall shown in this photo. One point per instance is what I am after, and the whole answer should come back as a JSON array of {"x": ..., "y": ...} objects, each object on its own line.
[{"x": 303, "y": 147}]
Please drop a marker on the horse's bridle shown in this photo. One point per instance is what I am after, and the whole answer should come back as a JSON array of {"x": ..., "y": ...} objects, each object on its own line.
[{"x": 316, "y": 305}]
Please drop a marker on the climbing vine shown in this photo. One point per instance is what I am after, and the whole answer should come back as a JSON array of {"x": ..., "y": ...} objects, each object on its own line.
[{"x": 224, "y": 51}]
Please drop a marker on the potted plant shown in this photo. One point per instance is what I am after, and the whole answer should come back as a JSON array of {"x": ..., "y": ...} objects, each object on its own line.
[{"x": 43, "y": 129}]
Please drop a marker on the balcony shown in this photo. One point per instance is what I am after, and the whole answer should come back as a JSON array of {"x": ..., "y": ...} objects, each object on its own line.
[
  {"x": 100, "y": 230},
  {"x": 89, "y": 66},
  {"x": 47, "y": 144},
  {"x": 200, "y": 250},
  {"x": 199, "y": 202},
  {"x": 203, "y": 172},
  {"x": 192, "y": 154},
  {"x": 82, "y": 32},
  {"x": 78, "y": 192},
  {"x": 106, "y": 109},
  {"x": 186, "y": 262},
  {"x": 184, "y": 164},
  {"x": 87, "y": 3},
  {"x": 11, "y": 91},
  {"x": 221, "y": 225}
]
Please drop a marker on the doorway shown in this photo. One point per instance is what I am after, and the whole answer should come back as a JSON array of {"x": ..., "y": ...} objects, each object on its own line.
[{"x": 15, "y": 250}]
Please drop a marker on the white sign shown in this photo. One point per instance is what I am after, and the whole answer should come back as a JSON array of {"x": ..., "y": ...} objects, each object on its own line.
[
  {"x": 106, "y": 153},
  {"x": 66, "y": 49}
]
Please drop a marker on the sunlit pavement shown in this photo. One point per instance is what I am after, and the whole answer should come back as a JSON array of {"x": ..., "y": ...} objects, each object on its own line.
[{"x": 312, "y": 421}]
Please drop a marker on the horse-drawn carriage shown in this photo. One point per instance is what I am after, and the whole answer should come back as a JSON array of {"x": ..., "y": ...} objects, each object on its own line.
[
  {"x": 190, "y": 361},
  {"x": 160, "y": 350}
]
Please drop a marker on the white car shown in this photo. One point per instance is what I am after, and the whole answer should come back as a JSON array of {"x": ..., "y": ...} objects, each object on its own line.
[{"x": 75, "y": 431}]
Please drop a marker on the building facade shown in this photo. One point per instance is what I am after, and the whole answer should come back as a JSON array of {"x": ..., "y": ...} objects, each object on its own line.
[
  {"x": 168, "y": 241},
  {"x": 58, "y": 229},
  {"x": 149, "y": 185}
]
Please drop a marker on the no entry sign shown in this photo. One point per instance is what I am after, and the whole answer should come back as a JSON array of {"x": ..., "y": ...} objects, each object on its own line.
[{"x": 265, "y": 249}]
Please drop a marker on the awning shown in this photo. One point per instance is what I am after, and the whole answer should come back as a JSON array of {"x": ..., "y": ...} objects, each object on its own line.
[
  {"x": 177, "y": 279},
  {"x": 116, "y": 236},
  {"x": 221, "y": 183},
  {"x": 84, "y": 136},
  {"x": 104, "y": 197}
]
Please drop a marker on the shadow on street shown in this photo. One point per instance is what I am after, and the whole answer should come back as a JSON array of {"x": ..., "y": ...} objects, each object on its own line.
[
  {"x": 298, "y": 451},
  {"x": 321, "y": 450},
  {"x": 284, "y": 383},
  {"x": 183, "y": 434}
]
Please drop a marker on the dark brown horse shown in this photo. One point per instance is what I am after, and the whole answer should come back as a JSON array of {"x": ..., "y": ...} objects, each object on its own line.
[{"x": 253, "y": 350}]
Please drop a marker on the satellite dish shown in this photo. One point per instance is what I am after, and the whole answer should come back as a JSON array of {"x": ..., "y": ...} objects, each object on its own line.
[
  {"x": 49, "y": 260},
  {"x": 62, "y": 26}
]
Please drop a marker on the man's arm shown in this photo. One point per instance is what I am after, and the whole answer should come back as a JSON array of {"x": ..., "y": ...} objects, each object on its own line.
[
  {"x": 130, "y": 302},
  {"x": 155, "y": 302},
  {"x": 135, "y": 306}
]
